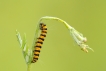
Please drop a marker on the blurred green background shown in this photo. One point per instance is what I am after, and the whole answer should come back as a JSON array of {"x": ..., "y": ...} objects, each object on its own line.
[{"x": 59, "y": 52}]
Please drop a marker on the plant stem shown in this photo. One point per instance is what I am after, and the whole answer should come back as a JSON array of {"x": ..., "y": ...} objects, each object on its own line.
[
  {"x": 55, "y": 18},
  {"x": 28, "y": 67}
]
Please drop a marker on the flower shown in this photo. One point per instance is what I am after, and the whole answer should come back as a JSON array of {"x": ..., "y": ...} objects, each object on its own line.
[{"x": 80, "y": 40}]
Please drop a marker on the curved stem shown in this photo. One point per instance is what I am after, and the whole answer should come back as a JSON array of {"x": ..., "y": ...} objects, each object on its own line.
[{"x": 55, "y": 18}]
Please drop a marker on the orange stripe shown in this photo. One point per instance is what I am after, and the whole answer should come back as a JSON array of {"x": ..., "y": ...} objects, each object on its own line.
[
  {"x": 43, "y": 26},
  {"x": 42, "y": 37},
  {"x": 38, "y": 44},
  {"x": 37, "y": 48},
  {"x": 36, "y": 52},
  {"x": 40, "y": 40},
  {"x": 36, "y": 56}
]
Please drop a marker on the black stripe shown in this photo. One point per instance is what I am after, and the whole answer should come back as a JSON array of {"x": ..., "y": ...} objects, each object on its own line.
[
  {"x": 36, "y": 50},
  {"x": 37, "y": 46},
  {"x": 43, "y": 28},
  {"x": 44, "y": 31},
  {"x": 40, "y": 26},
  {"x": 42, "y": 23},
  {"x": 43, "y": 35},
  {"x": 39, "y": 42},
  {"x": 36, "y": 54},
  {"x": 41, "y": 38},
  {"x": 35, "y": 59}
]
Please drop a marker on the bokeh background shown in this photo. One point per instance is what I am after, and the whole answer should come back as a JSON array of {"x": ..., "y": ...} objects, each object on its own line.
[{"x": 59, "y": 52}]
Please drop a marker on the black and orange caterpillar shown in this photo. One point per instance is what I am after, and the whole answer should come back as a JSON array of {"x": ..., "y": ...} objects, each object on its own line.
[{"x": 39, "y": 42}]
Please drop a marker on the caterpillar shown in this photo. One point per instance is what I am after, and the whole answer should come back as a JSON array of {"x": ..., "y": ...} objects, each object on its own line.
[{"x": 39, "y": 43}]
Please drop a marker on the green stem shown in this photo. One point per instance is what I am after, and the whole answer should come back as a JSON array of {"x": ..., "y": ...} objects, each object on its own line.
[
  {"x": 58, "y": 19},
  {"x": 28, "y": 67}
]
